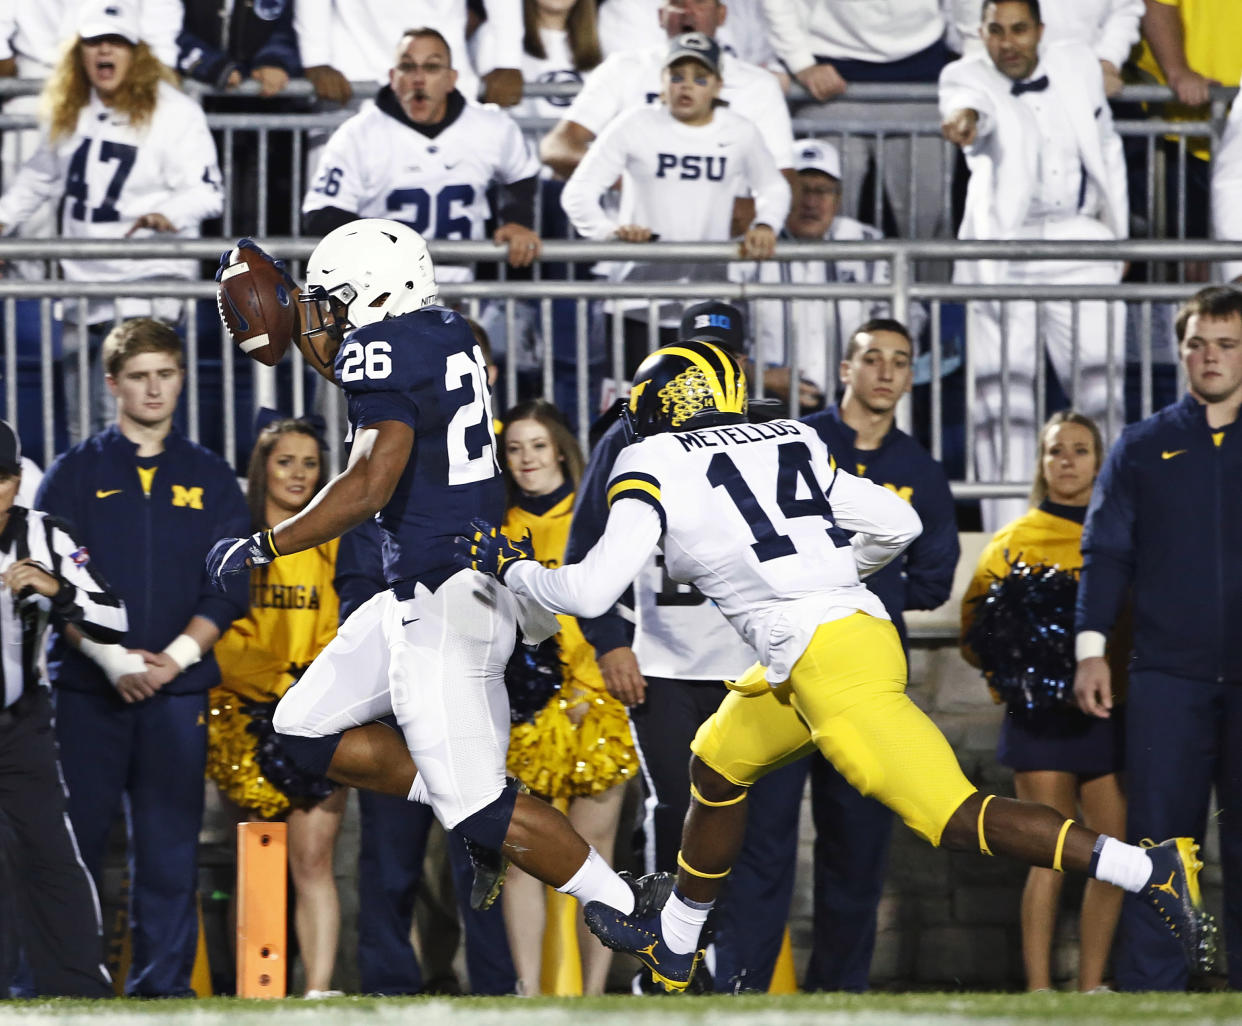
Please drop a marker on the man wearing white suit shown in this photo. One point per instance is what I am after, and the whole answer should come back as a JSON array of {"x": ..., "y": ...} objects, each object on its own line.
[{"x": 1045, "y": 163}]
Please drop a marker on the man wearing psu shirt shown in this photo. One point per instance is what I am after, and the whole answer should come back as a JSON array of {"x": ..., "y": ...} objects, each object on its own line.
[
  {"x": 47, "y": 893},
  {"x": 443, "y": 154}
]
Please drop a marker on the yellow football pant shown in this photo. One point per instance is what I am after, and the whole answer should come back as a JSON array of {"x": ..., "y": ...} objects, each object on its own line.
[{"x": 847, "y": 697}]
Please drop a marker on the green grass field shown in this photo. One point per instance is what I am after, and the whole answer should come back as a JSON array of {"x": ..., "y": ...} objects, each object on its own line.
[{"x": 751, "y": 1010}]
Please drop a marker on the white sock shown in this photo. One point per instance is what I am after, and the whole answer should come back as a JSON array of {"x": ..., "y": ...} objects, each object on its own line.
[
  {"x": 596, "y": 881},
  {"x": 681, "y": 922},
  {"x": 418, "y": 791},
  {"x": 1126, "y": 865}
]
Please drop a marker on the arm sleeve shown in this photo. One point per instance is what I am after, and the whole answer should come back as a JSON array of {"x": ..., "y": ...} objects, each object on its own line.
[
  {"x": 600, "y": 99},
  {"x": 58, "y": 496},
  {"x": 192, "y": 172},
  {"x": 789, "y": 33},
  {"x": 957, "y": 94},
  {"x": 769, "y": 187},
  {"x": 40, "y": 179},
  {"x": 517, "y": 202},
  {"x": 1107, "y": 546},
  {"x": 1226, "y": 206},
  {"x": 518, "y": 160},
  {"x": 602, "y": 165},
  {"x": 505, "y": 17},
  {"x": 775, "y": 127},
  {"x": 8, "y": 27},
  {"x": 1118, "y": 185},
  {"x": 84, "y": 598},
  {"x": 612, "y": 629},
  {"x": 593, "y": 586},
  {"x": 319, "y": 222},
  {"x": 232, "y": 520},
  {"x": 931, "y": 559},
  {"x": 991, "y": 565},
  {"x": 199, "y": 60},
  {"x": 1119, "y": 32},
  {"x": 340, "y": 180},
  {"x": 312, "y": 24},
  {"x": 280, "y": 48},
  {"x": 160, "y": 22},
  {"x": 883, "y": 522}
]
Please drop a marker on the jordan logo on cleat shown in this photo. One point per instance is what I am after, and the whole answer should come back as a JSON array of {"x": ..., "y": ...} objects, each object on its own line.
[
  {"x": 1167, "y": 886},
  {"x": 649, "y": 951}
]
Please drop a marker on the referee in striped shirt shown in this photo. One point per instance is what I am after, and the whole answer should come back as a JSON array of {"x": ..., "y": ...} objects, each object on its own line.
[{"x": 44, "y": 574}]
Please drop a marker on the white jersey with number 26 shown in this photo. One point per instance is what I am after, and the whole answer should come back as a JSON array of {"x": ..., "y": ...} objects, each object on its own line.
[{"x": 756, "y": 517}]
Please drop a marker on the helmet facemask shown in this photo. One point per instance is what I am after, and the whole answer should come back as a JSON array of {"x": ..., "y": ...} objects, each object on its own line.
[{"x": 325, "y": 320}]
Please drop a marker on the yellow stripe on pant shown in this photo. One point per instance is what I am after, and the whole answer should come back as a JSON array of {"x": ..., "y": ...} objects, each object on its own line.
[{"x": 847, "y": 697}]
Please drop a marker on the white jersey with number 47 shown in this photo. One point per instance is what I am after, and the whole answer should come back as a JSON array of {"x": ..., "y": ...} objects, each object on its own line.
[{"x": 756, "y": 517}]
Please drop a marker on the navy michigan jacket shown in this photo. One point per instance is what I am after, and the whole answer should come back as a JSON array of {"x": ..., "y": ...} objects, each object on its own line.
[
  {"x": 922, "y": 576},
  {"x": 149, "y": 541},
  {"x": 1165, "y": 526}
]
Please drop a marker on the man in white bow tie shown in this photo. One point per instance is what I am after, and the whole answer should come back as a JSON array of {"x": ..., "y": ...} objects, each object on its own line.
[{"x": 1045, "y": 163}]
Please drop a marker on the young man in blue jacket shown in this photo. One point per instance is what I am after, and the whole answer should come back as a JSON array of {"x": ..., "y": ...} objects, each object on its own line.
[
  {"x": 131, "y": 717},
  {"x": 852, "y": 832},
  {"x": 1165, "y": 528}
]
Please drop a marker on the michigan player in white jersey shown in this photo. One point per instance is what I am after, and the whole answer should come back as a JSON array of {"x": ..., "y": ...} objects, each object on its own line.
[
  {"x": 431, "y": 649},
  {"x": 422, "y": 155},
  {"x": 757, "y": 517}
]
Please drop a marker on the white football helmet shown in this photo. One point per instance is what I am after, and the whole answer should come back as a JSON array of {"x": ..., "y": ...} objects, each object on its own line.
[{"x": 360, "y": 273}]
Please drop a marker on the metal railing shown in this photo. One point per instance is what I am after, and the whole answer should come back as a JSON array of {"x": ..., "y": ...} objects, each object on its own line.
[{"x": 220, "y": 385}]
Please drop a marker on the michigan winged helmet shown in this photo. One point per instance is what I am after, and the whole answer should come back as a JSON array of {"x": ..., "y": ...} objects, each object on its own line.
[{"x": 683, "y": 386}]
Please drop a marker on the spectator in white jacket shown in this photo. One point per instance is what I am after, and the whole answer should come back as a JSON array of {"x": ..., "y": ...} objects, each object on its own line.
[{"x": 126, "y": 155}]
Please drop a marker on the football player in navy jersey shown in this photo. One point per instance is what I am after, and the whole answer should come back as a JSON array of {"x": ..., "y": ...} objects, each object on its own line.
[{"x": 431, "y": 649}]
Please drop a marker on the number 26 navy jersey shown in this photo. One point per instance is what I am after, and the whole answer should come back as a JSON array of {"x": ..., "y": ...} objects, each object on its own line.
[{"x": 425, "y": 369}]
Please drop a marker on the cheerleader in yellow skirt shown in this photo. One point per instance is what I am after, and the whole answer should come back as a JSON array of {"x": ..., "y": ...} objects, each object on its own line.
[
  {"x": 577, "y": 750},
  {"x": 293, "y": 615}
]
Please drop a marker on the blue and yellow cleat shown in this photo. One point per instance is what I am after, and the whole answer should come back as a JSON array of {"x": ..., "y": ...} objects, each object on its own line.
[
  {"x": 489, "y": 865},
  {"x": 1173, "y": 892},
  {"x": 639, "y": 934}
]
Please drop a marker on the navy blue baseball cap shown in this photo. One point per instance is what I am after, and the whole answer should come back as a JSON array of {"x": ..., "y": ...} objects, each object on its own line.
[{"x": 715, "y": 322}]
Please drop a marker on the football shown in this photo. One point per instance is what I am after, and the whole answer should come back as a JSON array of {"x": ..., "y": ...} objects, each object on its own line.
[{"x": 256, "y": 305}]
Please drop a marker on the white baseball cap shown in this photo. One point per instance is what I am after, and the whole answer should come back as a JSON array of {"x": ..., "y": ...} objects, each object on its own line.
[
  {"x": 109, "y": 18},
  {"x": 817, "y": 155}
]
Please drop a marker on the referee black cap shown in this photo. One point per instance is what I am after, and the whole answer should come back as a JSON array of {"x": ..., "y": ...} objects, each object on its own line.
[
  {"x": 10, "y": 450},
  {"x": 715, "y": 322}
]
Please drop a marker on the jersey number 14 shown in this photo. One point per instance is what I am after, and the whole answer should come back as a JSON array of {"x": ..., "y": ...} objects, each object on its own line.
[{"x": 793, "y": 461}]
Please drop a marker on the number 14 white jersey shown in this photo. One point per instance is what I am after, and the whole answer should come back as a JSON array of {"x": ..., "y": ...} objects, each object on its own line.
[{"x": 756, "y": 517}]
